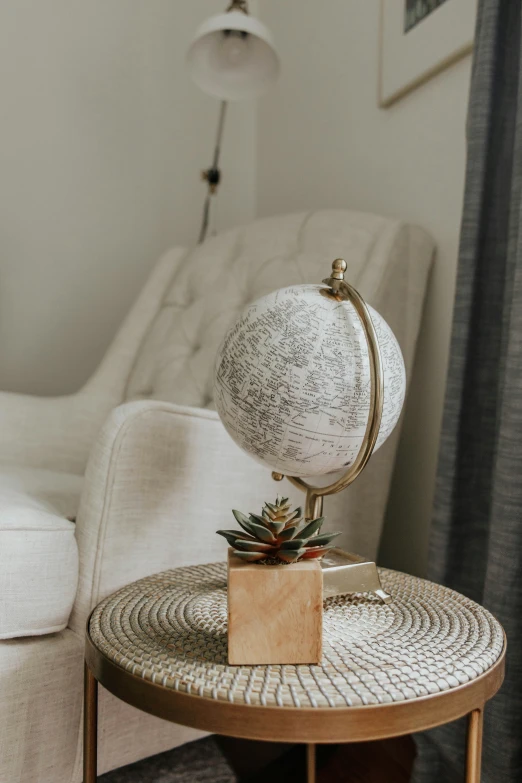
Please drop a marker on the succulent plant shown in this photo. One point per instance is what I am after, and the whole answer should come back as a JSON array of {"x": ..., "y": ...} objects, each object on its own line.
[{"x": 278, "y": 535}]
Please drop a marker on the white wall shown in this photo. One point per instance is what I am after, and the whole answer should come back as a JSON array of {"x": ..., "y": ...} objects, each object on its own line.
[
  {"x": 323, "y": 142},
  {"x": 102, "y": 139}
]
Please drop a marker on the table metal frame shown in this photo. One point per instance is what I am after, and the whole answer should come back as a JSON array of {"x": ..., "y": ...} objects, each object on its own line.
[{"x": 309, "y": 726}]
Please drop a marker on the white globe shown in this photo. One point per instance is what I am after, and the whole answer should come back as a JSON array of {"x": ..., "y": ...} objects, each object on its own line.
[{"x": 292, "y": 381}]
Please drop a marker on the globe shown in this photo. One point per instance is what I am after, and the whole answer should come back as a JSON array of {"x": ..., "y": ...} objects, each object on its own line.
[{"x": 292, "y": 381}]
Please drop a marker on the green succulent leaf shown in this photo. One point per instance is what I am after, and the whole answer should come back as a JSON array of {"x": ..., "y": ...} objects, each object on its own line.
[
  {"x": 295, "y": 543},
  {"x": 272, "y": 524},
  {"x": 253, "y": 546},
  {"x": 233, "y": 535},
  {"x": 311, "y": 528},
  {"x": 240, "y": 517},
  {"x": 277, "y": 521},
  {"x": 243, "y": 520},
  {"x": 250, "y": 557},
  {"x": 322, "y": 539},
  {"x": 296, "y": 515},
  {"x": 261, "y": 532},
  {"x": 260, "y": 520},
  {"x": 288, "y": 533}
]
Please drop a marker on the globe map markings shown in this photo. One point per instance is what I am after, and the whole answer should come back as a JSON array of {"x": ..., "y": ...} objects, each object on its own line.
[{"x": 292, "y": 381}]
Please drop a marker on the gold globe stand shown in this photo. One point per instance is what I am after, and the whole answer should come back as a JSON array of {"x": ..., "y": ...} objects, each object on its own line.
[{"x": 344, "y": 572}]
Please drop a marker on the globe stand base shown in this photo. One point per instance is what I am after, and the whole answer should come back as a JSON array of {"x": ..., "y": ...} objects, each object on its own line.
[{"x": 344, "y": 572}]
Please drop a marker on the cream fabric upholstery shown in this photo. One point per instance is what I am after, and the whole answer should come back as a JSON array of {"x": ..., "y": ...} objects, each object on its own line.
[
  {"x": 38, "y": 550},
  {"x": 156, "y": 475},
  {"x": 161, "y": 474},
  {"x": 41, "y": 685},
  {"x": 216, "y": 280}
]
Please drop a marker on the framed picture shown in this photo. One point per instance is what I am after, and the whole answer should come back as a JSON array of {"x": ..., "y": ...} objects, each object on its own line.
[{"x": 418, "y": 39}]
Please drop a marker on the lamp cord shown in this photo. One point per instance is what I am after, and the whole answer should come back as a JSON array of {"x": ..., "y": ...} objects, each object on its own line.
[{"x": 213, "y": 175}]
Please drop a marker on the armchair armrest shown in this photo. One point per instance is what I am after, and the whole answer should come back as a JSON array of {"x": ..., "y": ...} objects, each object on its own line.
[{"x": 161, "y": 479}]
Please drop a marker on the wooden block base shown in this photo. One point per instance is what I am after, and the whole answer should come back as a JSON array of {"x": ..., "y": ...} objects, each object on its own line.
[{"x": 275, "y": 613}]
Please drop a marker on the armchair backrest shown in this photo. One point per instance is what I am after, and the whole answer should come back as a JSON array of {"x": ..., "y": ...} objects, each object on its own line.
[{"x": 387, "y": 261}]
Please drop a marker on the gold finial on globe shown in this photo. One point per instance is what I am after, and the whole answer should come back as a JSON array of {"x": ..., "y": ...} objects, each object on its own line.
[
  {"x": 338, "y": 268},
  {"x": 336, "y": 282}
]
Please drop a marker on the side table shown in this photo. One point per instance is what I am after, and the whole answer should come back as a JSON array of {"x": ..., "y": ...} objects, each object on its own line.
[{"x": 425, "y": 659}]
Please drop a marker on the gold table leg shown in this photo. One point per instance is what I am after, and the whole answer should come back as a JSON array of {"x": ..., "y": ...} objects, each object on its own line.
[
  {"x": 310, "y": 763},
  {"x": 474, "y": 746},
  {"x": 90, "y": 726}
]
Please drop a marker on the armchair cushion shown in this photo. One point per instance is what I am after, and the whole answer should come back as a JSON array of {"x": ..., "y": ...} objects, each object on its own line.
[{"x": 38, "y": 551}]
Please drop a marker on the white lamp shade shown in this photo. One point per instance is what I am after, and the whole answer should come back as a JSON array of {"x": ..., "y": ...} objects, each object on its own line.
[{"x": 233, "y": 56}]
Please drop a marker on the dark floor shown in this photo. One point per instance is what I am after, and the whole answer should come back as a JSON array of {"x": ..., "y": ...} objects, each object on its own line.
[
  {"x": 197, "y": 762},
  {"x": 226, "y": 760}
]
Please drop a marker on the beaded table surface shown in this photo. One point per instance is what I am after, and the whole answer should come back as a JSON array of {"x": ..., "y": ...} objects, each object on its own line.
[{"x": 170, "y": 630}]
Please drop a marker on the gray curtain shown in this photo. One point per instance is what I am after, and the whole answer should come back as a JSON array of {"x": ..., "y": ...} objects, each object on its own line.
[{"x": 476, "y": 541}]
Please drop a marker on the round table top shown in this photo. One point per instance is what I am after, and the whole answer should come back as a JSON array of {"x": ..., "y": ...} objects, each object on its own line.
[{"x": 429, "y": 656}]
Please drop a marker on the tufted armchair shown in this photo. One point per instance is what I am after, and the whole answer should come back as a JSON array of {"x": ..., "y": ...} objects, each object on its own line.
[{"x": 134, "y": 473}]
